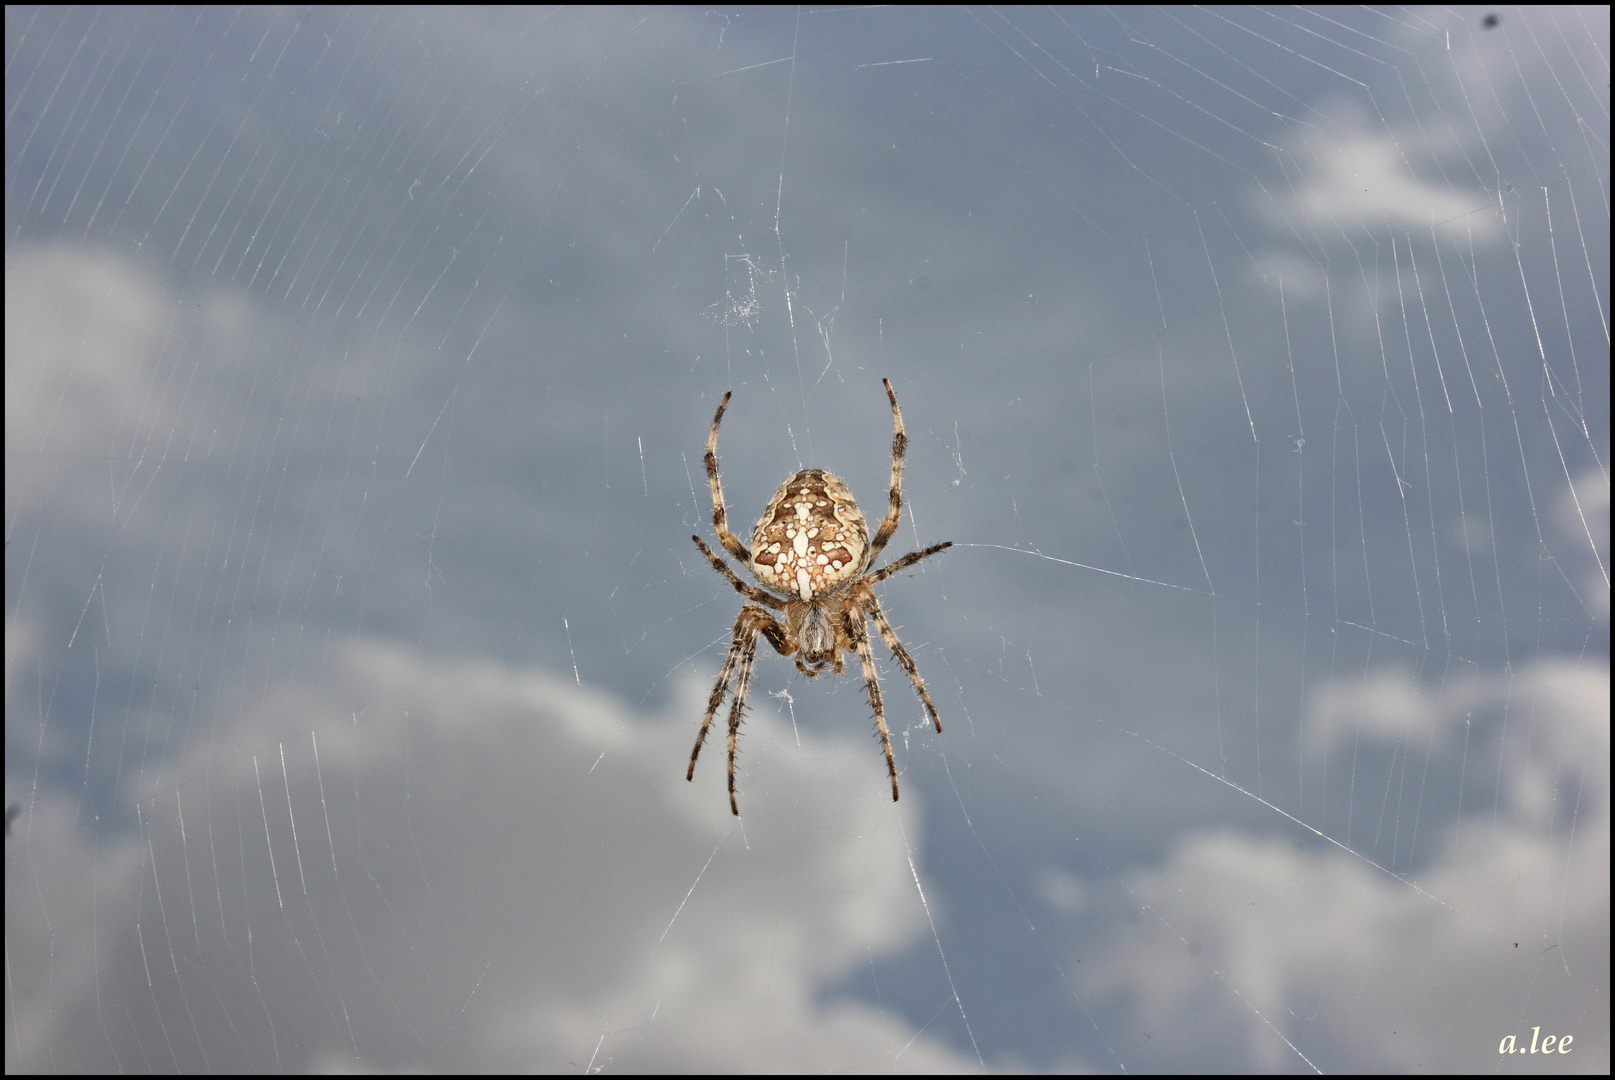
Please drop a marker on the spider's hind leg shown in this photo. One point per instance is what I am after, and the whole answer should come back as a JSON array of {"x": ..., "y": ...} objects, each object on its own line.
[
  {"x": 894, "y": 495},
  {"x": 720, "y": 513}
]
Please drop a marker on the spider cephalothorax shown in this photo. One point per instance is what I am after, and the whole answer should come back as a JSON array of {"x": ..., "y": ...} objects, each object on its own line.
[{"x": 812, "y": 551}]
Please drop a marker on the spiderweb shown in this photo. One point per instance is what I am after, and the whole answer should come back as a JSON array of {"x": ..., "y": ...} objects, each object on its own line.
[{"x": 359, "y": 364}]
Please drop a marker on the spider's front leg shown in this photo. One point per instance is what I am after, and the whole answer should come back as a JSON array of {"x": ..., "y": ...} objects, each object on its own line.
[
  {"x": 902, "y": 656},
  {"x": 751, "y": 622},
  {"x": 742, "y": 639},
  {"x": 858, "y": 631}
]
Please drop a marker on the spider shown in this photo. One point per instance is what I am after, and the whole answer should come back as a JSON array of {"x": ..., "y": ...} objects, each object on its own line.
[{"x": 811, "y": 550}]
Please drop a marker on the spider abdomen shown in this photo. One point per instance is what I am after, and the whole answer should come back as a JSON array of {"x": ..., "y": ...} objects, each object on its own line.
[{"x": 812, "y": 538}]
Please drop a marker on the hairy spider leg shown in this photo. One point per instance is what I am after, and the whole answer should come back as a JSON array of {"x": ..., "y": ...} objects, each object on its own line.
[
  {"x": 905, "y": 562},
  {"x": 857, "y": 629},
  {"x": 742, "y": 649},
  {"x": 894, "y": 496},
  {"x": 744, "y": 587},
  {"x": 720, "y": 514},
  {"x": 738, "y": 704},
  {"x": 902, "y": 656}
]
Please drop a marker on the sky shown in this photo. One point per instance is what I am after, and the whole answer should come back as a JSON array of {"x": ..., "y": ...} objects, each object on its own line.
[{"x": 360, "y": 364}]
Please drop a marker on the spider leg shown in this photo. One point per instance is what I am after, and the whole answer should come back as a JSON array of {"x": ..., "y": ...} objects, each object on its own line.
[
  {"x": 751, "y": 592},
  {"x": 894, "y": 498},
  {"x": 720, "y": 515},
  {"x": 902, "y": 656},
  {"x": 859, "y": 632},
  {"x": 905, "y": 562},
  {"x": 737, "y": 707},
  {"x": 742, "y": 647}
]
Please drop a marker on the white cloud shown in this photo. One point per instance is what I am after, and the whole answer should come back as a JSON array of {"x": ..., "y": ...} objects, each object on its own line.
[
  {"x": 521, "y": 879},
  {"x": 1507, "y": 923},
  {"x": 1357, "y": 175}
]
